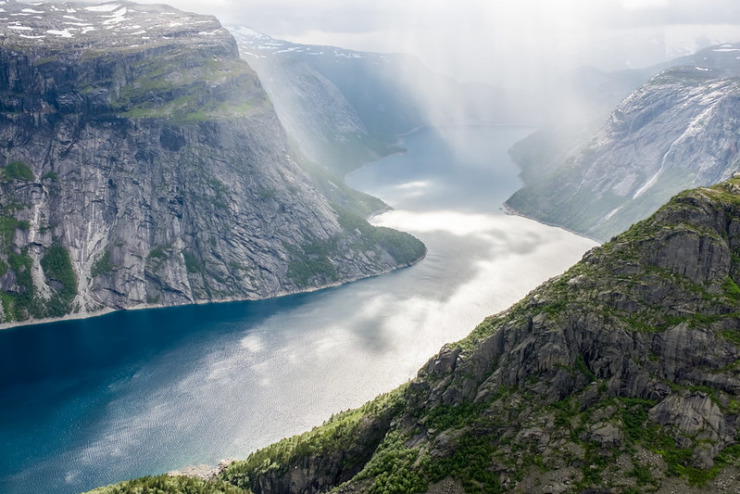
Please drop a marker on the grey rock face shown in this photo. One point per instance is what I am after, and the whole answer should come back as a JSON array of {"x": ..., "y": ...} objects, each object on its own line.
[
  {"x": 135, "y": 138},
  {"x": 679, "y": 130},
  {"x": 621, "y": 375}
]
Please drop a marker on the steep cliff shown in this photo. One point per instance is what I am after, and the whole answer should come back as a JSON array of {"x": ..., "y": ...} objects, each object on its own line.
[
  {"x": 143, "y": 164},
  {"x": 621, "y": 375},
  {"x": 678, "y": 130}
]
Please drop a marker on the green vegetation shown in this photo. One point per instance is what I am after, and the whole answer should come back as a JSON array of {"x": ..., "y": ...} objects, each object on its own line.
[
  {"x": 470, "y": 462},
  {"x": 164, "y": 484},
  {"x": 18, "y": 306},
  {"x": 192, "y": 264},
  {"x": 18, "y": 170},
  {"x": 404, "y": 248},
  {"x": 8, "y": 224},
  {"x": 390, "y": 468},
  {"x": 356, "y": 433},
  {"x": 313, "y": 261},
  {"x": 732, "y": 291},
  {"x": 156, "y": 257},
  {"x": 102, "y": 265},
  {"x": 188, "y": 87},
  {"x": 158, "y": 252},
  {"x": 58, "y": 266}
]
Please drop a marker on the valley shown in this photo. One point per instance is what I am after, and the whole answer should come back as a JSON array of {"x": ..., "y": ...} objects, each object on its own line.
[
  {"x": 192, "y": 385},
  {"x": 245, "y": 247}
]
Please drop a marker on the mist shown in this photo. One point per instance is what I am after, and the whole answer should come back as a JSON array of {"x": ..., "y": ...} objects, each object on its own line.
[
  {"x": 506, "y": 44},
  {"x": 531, "y": 62}
]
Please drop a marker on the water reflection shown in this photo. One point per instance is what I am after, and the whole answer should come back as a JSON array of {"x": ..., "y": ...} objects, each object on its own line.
[{"x": 144, "y": 392}]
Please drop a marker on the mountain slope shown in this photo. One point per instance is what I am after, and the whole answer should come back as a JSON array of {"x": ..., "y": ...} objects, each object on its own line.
[
  {"x": 347, "y": 107},
  {"x": 620, "y": 375},
  {"x": 677, "y": 131},
  {"x": 143, "y": 164}
]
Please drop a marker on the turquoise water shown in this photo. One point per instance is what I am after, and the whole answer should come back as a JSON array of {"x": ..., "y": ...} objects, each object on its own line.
[{"x": 91, "y": 402}]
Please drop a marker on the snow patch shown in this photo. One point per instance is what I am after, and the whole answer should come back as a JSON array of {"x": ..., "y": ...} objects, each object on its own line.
[
  {"x": 32, "y": 37},
  {"x": 725, "y": 50},
  {"x": 106, "y": 7},
  {"x": 20, "y": 28},
  {"x": 117, "y": 17},
  {"x": 691, "y": 131},
  {"x": 31, "y": 11},
  {"x": 611, "y": 213},
  {"x": 703, "y": 69},
  {"x": 63, "y": 34}
]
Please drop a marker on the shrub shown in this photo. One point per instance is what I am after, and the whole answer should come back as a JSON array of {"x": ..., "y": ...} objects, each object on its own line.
[{"x": 18, "y": 170}]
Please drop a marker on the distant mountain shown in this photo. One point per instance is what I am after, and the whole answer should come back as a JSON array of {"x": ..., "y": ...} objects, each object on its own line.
[
  {"x": 347, "y": 107},
  {"x": 619, "y": 376},
  {"x": 680, "y": 129},
  {"x": 142, "y": 164}
]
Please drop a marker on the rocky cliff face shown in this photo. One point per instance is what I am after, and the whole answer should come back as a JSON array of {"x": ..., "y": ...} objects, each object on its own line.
[
  {"x": 621, "y": 375},
  {"x": 143, "y": 164},
  {"x": 677, "y": 131}
]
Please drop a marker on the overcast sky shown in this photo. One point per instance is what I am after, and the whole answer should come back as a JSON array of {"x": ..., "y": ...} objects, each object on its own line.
[{"x": 486, "y": 39}]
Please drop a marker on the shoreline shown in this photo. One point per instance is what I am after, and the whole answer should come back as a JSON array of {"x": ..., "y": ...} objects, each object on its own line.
[
  {"x": 513, "y": 212},
  {"x": 105, "y": 311}
]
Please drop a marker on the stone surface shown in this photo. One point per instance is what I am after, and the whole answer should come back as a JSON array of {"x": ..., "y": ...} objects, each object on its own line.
[
  {"x": 136, "y": 138},
  {"x": 679, "y": 130}
]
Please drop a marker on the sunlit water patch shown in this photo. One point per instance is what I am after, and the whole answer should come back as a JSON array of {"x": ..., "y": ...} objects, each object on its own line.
[{"x": 86, "y": 403}]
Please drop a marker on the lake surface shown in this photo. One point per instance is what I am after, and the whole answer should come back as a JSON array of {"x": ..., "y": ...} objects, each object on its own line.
[{"x": 91, "y": 402}]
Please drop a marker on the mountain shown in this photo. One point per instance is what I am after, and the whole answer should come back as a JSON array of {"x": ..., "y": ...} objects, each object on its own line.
[
  {"x": 619, "y": 376},
  {"x": 678, "y": 130},
  {"x": 143, "y": 164},
  {"x": 347, "y": 107}
]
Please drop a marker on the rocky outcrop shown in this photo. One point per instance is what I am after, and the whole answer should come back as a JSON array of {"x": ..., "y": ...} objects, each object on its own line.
[
  {"x": 143, "y": 160},
  {"x": 621, "y": 375},
  {"x": 677, "y": 131}
]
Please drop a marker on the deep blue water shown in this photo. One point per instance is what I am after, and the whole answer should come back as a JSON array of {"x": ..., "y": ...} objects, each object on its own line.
[{"x": 91, "y": 402}]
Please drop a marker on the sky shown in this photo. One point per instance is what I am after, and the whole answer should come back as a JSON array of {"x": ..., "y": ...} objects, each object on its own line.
[{"x": 493, "y": 40}]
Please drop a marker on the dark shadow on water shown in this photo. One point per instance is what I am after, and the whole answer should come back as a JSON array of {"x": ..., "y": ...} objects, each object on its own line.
[{"x": 66, "y": 348}]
